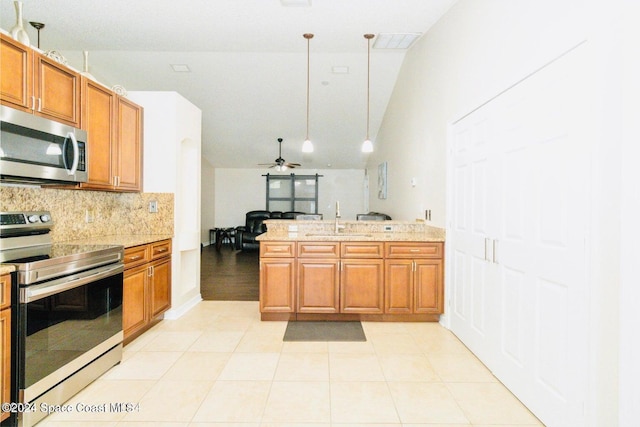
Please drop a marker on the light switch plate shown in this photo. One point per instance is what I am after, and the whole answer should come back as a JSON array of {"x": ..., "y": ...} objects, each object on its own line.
[{"x": 153, "y": 206}]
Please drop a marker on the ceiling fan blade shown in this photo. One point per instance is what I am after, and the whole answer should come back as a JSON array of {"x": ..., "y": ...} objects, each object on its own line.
[{"x": 280, "y": 161}]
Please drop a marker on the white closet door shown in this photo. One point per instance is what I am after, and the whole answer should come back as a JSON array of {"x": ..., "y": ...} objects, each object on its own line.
[
  {"x": 474, "y": 280},
  {"x": 522, "y": 308}
]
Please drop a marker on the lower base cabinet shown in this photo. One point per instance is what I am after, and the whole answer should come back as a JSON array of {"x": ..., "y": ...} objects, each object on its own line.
[
  {"x": 350, "y": 280},
  {"x": 147, "y": 286},
  {"x": 361, "y": 286},
  {"x": 414, "y": 278},
  {"x": 318, "y": 286},
  {"x": 277, "y": 278},
  {"x": 5, "y": 342}
]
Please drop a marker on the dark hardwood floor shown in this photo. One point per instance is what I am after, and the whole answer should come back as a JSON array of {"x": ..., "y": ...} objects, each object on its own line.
[{"x": 229, "y": 275}]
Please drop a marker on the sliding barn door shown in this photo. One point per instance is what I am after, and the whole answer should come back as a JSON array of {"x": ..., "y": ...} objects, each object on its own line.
[{"x": 517, "y": 238}]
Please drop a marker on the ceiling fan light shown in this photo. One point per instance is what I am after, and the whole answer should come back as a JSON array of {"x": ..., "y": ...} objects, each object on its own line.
[
  {"x": 367, "y": 146},
  {"x": 307, "y": 146}
]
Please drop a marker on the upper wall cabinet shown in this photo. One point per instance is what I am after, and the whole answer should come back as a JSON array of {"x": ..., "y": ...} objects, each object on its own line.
[
  {"x": 114, "y": 126},
  {"x": 34, "y": 83},
  {"x": 129, "y": 145}
]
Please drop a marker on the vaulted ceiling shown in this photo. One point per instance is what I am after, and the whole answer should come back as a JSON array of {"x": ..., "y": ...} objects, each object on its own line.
[{"x": 248, "y": 65}]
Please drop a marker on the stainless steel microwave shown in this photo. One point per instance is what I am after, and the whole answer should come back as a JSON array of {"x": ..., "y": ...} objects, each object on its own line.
[{"x": 38, "y": 150}]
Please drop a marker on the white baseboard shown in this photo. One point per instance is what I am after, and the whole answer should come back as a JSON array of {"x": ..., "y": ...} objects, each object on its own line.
[{"x": 177, "y": 312}]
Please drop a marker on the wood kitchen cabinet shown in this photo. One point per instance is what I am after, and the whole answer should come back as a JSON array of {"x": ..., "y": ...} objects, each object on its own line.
[
  {"x": 414, "y": 278},
  {"x": 114, "y": 127},
  {"x": 336, "y": 277},
  {"x": 361, "y": 277},
  {"x": 361, "y": 286},
  {"x": 277, "y": 277},
  {"x": 128, "y": 167},
  {"x": 98, "y": 119},
  {"x": 5, "y": 341},
  {"x": 33, "y": 83},
  {"x": 351, "y": 280},
  {"x": 318, "y": 280},
  {"x": 147, "y": 286}
]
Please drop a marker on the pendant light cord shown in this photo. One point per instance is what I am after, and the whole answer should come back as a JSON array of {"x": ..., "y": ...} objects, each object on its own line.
[
  {"x": 368, "y": 77},
  {"x": 308, "y": 36},
  {"x": 308, "y": 73},
  {"x": 368, "y": 37}
]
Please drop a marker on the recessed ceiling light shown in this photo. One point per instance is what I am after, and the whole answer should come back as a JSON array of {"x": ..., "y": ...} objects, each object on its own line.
[
  {"x": 296, "y": 3},
  {"x": 395, "y": 40},
  {"x": 340, "y": 69},
  {"x": 181, "y": 68}
]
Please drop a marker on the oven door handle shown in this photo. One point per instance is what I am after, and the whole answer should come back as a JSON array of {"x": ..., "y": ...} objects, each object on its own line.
[{"x": 36, "y": 292}]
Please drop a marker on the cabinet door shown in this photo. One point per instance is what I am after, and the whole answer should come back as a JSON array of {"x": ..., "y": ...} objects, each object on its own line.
[
  {"x": 134, "y": 300},
  {"x": 5, "y": 291},
  {"x": 160, "y": 287},
  {"x": 129, "y": 146},
  {"x": 361, "y": 286},
  {"x": 277, "y": 279},
  {"x": 5, "y": 368},
  {"x": 398, "y": 286},
  {"x": 57, "y": 91},
  {"x": 98, "y": 113},
  {"x": 318, "y": 286},
  {"x": 16, "y": 75},
  {"x": 429, "y": 290}
]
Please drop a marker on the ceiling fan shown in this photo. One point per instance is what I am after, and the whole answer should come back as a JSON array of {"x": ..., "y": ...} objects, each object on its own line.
[{"x": 280, "y": 164}]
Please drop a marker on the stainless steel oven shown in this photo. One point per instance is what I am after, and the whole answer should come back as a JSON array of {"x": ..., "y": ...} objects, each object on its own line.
[{"x": 68, "y": 313}]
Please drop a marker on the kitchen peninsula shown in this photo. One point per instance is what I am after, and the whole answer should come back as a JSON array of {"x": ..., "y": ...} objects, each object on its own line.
[{"x": 354, "y": 270}]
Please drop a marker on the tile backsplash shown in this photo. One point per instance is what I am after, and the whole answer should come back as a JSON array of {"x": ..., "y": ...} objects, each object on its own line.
[{"x": 113, "y": 213}]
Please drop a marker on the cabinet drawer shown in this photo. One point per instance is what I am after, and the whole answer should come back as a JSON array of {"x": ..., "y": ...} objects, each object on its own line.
[
  {"x": 361, "y": 250},
  {"x": 413, "y": 250},
  {"x": 278, "y": 249},
  {"x": 5, "y": 291},
  {"x": 318, "y": 249},
  {"x": 160, "y": 249},
  {"x": 135, "y": 256}
]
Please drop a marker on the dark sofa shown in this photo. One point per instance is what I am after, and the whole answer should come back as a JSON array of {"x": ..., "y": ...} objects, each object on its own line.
[
  {"x": 254, "y": 226},
  {"x": 373, "y": 216}
]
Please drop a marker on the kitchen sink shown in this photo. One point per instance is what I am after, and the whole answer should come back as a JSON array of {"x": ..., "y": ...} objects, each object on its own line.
[{"x": 337, "y": 235}]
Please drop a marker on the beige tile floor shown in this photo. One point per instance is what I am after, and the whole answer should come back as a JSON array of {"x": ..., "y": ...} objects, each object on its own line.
[{"x": 219, "y": 365}]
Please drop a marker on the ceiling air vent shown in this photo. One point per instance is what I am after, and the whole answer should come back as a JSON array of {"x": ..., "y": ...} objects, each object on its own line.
[
  {"x": 296, "y": 3},
  {"x": 395, "y": 40}
]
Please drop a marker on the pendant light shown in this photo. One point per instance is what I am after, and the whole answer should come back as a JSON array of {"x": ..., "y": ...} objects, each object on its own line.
[
  {"x": 307, "y": 146},
  {"x": 367, "y": 146}
]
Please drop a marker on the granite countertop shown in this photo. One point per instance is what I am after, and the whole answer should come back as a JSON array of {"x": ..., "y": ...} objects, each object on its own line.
[
  {"x": 432, "y": 235},
  {"x": 365, "y": 232},
  {"x": 6, "y": 269},
  {"x": 127, "y": 241}
]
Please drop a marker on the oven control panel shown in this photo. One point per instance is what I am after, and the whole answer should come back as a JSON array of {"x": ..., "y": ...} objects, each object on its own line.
[{"x": 13, "y": 220}]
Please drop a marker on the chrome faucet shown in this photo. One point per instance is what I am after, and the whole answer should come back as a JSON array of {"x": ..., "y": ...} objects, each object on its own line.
[{"x": 338, "y": 227}]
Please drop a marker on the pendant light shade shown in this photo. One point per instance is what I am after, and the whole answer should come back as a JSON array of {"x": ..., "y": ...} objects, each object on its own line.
[
  {"x": 367, "y": 145},
  {"x": 307, "y": 146}
]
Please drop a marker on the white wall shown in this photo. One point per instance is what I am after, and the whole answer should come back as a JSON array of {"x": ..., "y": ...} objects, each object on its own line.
[
  {"x": 172, "y": 163},
  {"x": 241, "y": 190},
  {"x": 208, "y": 195},
  {"x": 476, "y": 51},
  {"x": 629, "y": 392}
]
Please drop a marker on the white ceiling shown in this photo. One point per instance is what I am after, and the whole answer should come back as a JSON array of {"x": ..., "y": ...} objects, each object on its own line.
[{"x": 248, "y": 65}]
